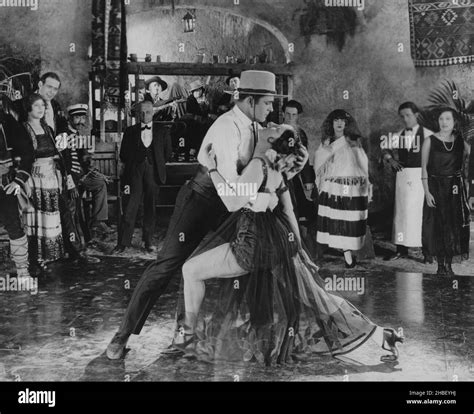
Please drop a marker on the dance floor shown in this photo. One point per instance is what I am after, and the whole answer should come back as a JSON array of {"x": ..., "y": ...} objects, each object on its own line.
[{"x": 61, "y": 332}]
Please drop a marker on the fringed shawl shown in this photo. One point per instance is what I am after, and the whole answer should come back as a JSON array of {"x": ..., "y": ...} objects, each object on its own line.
[{"x": 342, "y": 163}]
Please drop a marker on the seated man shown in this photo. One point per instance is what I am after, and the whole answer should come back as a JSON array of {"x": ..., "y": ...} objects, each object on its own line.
[{"x": 85, "y": 175}]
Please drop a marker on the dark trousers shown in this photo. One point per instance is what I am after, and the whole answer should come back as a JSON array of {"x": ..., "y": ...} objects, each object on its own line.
[
  {"x": 403, "y": 250},
  {"x": 194, "y": 215},
  {"x": 67, "y": 211},
  {"x": 98, "y": 187},
  {"x": 142, "y": 185},
  {"x": 10, "y": 215}
]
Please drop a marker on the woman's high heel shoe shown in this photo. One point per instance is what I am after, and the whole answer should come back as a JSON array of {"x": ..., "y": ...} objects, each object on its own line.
[
  {"x": 391, "y": 342},
  {"x": 449, "y": 270},
  {"x": 352, "y": 265},
  {"x": 183, "y": 342}
]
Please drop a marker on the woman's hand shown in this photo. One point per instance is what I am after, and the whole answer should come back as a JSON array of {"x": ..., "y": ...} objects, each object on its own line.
[{"x": 430, "y": 200}]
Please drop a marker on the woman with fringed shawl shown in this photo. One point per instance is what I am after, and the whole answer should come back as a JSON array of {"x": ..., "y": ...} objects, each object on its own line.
[{"x": 342, "y": 178}]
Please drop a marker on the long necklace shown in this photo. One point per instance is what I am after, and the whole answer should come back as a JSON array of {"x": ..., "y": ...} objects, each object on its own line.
[{"x": 446, "y": 147}]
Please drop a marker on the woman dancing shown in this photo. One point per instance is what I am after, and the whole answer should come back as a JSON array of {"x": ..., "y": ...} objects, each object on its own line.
[{"x": 251, "y": 292}]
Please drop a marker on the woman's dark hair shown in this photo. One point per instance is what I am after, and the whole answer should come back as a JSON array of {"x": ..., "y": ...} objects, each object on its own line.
[
  {"x": 31, "y": 99},
  {"x": 351, "y": 130},
  {"x": 287, "y": 143},
  {"x": 457, "y": 120},
  {"x": 409, "y": 105}
]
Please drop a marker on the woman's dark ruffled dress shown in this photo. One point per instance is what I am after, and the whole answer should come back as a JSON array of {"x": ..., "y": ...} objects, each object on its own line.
[{"x": 276, "y": 311}]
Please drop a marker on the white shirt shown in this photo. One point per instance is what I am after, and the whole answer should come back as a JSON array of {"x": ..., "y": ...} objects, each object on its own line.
[
  {"x": 147, "y": 136},
  {"x": 49, "y": 115},
  {"x": 232, "y": 139},
  {"x": 410, "y": 137}
]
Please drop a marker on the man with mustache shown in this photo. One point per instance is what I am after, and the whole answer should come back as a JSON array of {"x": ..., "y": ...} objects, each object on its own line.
[{"x": 81, "y": 146}]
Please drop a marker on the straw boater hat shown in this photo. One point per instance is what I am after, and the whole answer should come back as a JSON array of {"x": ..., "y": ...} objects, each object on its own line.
[
  {"x": 195, "y": 85},
  {"x": 157, "y": 79},
  {"x": 77, "y": 109},
  {"x": 258, "y": 82}
]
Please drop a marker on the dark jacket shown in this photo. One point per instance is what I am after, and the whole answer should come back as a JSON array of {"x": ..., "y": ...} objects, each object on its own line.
[
  {"x": 471, "y": 173},
  {"x": 161, "y": 146},
  {"x": 21, "y": 156}
]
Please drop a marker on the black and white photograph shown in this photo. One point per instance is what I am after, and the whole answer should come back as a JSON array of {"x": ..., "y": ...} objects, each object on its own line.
[{"x": 236, "y": 191}]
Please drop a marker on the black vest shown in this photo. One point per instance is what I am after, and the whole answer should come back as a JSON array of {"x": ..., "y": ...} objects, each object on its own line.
[
  {"x": 410, "y": 158},
  {"x": 143, "y": 153}
]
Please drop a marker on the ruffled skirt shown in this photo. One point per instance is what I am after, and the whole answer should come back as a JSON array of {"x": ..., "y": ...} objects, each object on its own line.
[{"x": 279, "y": 309}]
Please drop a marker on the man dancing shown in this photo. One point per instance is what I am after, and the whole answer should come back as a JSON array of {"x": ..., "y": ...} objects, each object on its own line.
[{"x": 198, "y": 207}]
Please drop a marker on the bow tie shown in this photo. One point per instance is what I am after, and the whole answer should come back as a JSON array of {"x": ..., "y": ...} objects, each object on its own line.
[
  {"x": 146, "y": 127},
  {"x": 409, "y": 129}
]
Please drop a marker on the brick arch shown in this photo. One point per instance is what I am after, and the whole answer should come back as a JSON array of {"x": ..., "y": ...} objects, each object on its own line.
[{"x": 282, "y": 39}]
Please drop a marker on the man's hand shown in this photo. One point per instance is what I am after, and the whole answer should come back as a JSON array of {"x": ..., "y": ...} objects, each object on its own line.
[
  {"x": 12, "y": 188},
  {"x": 74, "y": 194},
  {"x": 396, "y": 166},
  {"x": 471, "y": 203}
]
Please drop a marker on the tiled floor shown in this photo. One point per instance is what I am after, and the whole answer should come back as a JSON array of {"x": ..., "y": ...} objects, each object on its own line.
[{"x": 60, "y": 333}]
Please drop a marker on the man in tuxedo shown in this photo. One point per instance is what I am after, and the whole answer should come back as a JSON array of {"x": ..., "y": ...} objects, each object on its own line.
[
  {"x": 404, "y": 157},
  {"x": 145, "y": 149}
]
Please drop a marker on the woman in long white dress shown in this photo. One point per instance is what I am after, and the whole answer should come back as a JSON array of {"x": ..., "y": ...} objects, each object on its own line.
[{"x": 342, "y": 179}]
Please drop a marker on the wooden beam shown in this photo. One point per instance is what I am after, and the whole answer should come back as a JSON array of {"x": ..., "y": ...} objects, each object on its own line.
[{"x": 202, "y": 69}]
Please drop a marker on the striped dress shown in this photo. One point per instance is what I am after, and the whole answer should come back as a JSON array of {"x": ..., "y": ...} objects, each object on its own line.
[{"x": 342, "y": 180}]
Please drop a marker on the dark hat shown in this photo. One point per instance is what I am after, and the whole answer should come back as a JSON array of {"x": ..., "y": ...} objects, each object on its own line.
[
  {"x": 163, "y": 84},
  {"x": 231, "y": 76},
  {"x": 195, "y": 85}
]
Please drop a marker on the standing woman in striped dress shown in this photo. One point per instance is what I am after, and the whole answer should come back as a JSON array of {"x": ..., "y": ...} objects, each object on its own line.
[{"x": 342, "y": 178}]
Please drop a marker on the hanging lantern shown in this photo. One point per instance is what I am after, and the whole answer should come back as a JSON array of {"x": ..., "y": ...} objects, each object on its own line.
[{"x": 189, "y": 22}]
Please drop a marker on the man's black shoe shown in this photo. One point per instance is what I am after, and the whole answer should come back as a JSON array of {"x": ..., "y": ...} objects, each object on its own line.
[
  {"x": 118, "y": 249},
  {"x": 117, "y": 345}
]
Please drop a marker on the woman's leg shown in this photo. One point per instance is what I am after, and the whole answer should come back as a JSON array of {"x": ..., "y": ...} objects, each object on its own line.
[{"x": 219, "y": 262}]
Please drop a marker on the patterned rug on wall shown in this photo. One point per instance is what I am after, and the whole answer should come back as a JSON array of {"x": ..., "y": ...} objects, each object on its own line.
[{"x": 442, "y": 32}]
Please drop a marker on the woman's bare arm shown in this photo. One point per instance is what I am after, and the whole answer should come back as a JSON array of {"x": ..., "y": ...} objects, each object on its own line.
[
  {"x": 289, "y": 212},
  {"x": 236, "y": 195}
]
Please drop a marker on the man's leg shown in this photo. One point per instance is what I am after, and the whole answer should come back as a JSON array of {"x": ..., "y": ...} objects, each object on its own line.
[
  {"x": 67, "y": 209},
  {"x": 136, "y": 191},
  {"x": 98, "y": 188},
  {"x": 10, "y": 217},
  {"x": 149, "y": 206},
  {"x": 193, "y": 217}
]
